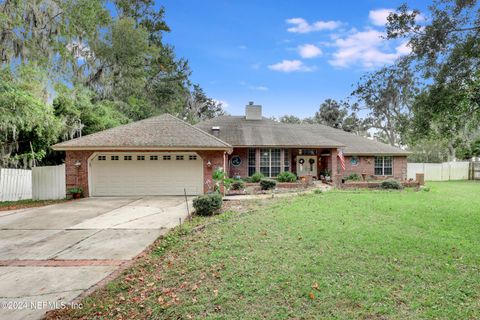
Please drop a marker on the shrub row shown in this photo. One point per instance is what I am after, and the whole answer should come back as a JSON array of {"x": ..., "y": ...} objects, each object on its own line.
[
  {"x": 352, "y": 177},
  {"x": 391, "y": 184},
  {"x": 267, "y": 184},
  {"x": 285, "y": 176}
]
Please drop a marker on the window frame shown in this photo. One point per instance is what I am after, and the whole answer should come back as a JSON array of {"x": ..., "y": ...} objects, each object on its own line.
[
  {"x": 252, "y": 161},
  {"x": 270, "y": 164},
  {"x": 286, "y": 160},
  {"x": 383, "y": 163}
]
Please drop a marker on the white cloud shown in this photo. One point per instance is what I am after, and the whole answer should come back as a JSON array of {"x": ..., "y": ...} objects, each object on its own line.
[
  {"x": 309, "y": 51},
  {"x": 367, "y": 48},
  {"x": 302, "y": 26},
  {"x": 242, "y": 47},
  {"x": 290, "y": 66},
  {"x": 258, "y": 88},
  {"x": 403, "y": 49},
  {"x": 379, "y": 17},
  {"x": 222, "y": 102},
  {"x": 253, "y": 87}
]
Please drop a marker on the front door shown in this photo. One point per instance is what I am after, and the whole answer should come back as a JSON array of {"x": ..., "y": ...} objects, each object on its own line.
[{"x": 306, "y": 166}]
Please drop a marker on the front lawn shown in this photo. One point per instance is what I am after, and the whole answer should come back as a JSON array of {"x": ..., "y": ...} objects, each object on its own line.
[{"x": 340, "y": 254}]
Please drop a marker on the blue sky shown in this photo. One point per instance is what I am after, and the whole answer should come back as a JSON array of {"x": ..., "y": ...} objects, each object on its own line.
[{"x": 288, "y": 56}]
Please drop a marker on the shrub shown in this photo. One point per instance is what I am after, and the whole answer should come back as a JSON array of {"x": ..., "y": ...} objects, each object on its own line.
[
  {"x": 267, "y": 184},
  {"x": 208, "y": 204},
  {"x": 228, "y": 182},
  {"x": 353, "y": 177},
  {"x": 391, "y": 184},
  {"x": 425, "y": 188},
  {"x": 75, "y": 190},
  {"x": 218, "y": 176},
  {"x": 286, "y": 177},
  {"x": 318, "y": 191},
  {"x": 256, "y": 177},
  {"x": 237, "y": 185}
]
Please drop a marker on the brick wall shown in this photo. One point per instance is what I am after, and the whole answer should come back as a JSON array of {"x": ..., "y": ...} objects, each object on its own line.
[
  {"x": 367, "y": 165},
  {"x": 217, "y": 160},
  {"x": 78, "y": 175},
  {"x": 242, "y": 169}
]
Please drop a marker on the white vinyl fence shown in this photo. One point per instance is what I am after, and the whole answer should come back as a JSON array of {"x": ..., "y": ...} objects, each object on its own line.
[
  {"x": 48, "y": 183},
  {"x": 15, "y": 184},
  {"x": 439, "y": 171}
]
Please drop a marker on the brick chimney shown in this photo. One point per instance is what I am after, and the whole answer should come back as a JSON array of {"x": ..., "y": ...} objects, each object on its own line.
[{"x": 253, "y": 111}]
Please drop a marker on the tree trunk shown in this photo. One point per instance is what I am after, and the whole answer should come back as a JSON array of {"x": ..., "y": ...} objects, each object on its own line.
[{"x": 451, "y": 152}]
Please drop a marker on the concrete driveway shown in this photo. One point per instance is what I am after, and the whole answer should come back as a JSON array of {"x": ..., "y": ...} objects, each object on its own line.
[{"x": 50, "y": 255}]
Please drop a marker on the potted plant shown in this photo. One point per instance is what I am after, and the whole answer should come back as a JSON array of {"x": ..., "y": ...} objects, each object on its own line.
[
  {"x": 327, "y": 174},
  {"x": 76, "y": 192}
]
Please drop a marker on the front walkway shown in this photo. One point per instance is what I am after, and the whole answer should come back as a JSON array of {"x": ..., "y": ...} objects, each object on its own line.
[{"x": 50, "y": 255}]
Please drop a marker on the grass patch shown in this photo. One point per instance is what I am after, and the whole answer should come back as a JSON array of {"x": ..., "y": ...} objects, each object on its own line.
[
  {"x": 12, "y": 205},
  {"x": 340, "y": 254}
]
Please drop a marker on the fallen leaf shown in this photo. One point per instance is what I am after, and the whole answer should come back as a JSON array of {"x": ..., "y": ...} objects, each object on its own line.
[
  {"x": 315, "y": 285},
  {"x": 215, "y": 292},
  {"x": 311, "y": 295}
]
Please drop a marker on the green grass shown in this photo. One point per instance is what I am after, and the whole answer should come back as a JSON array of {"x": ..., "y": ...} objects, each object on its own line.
[
  {"x": 7, "y": 205},
  {"x": 337, "y": 255}
]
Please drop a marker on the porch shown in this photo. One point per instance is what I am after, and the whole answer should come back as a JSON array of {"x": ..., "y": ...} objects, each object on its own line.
[{"x": 244, "y": 162}]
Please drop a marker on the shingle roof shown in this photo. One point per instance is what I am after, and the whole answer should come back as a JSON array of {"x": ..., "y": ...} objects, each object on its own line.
[
  {"x": 354, "y": 144},
  {"x": 161, "y": 132},
  {"x": 238, "y": 131}
]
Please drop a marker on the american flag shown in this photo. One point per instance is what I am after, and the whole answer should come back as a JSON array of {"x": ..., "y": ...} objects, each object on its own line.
[{"x": 342, "y": 159}]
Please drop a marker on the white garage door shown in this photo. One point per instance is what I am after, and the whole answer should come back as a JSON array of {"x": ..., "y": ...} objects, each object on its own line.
[{"x": 125, "y": 174}]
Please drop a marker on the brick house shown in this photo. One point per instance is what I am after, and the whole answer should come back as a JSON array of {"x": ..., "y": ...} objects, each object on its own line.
[
  {"x": 166, "y": 156},
  {"x": 266, "y": 146}
]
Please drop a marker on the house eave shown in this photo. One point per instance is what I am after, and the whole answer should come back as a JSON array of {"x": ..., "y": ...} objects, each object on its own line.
[
  {"x": 119, "y": 148},
  {"x": 391, "y": 154},
  {"x": 289, "y": 146}
]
